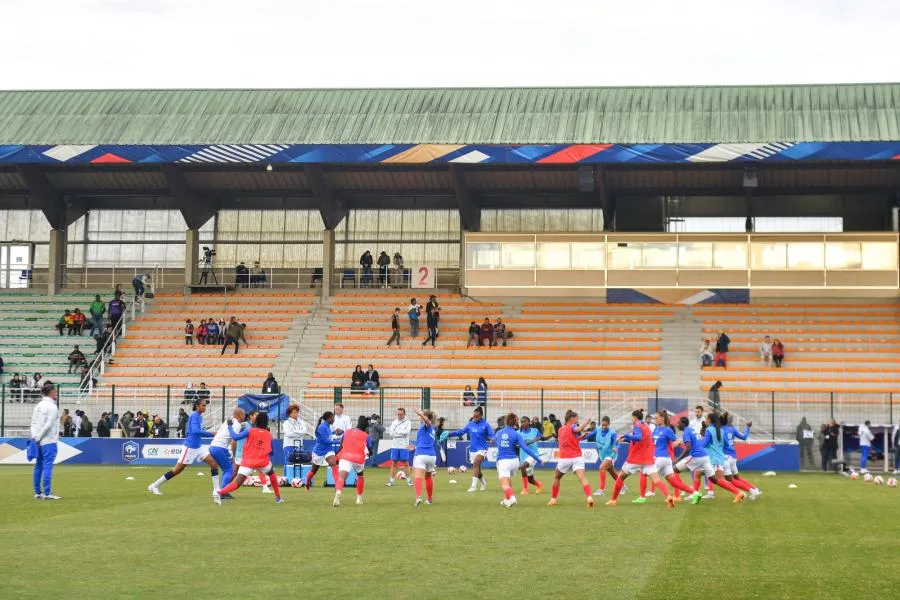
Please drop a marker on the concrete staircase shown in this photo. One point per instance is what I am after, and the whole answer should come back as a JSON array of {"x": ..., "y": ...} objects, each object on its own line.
[
  {"x": 306, "y": 339},
  {"x": 679, "y": 375}
]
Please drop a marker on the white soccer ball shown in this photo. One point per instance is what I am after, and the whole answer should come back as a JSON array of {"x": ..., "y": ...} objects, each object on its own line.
[
  {"x": 867, "y": 478},
  {"x": 792, "y": 486},
  {"x": 891, "y": 482},
  {"x": 452, "y": 481},
  {"x": 129, "y": 479},
  {"x": 463, "y": 469},
  {"x": 878, "y": 480},
  {"x": 401, "y": 475},
  {"x": 854, "y": 475},
  {"x": 451, "y": 470},
  {"x": 200, "y": 474},
  {"x": 282, "y": 481},
  {"x": 296, "y": 482}
]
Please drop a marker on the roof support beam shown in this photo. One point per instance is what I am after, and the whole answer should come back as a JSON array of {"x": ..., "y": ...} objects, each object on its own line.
[
  {"x": 195, "y": 209},
  {"x": 469, "y": 211},
  {"x": 332, "y": 208},
  {"x": 59, "y": 210},
  {"x": 604, "y": 198}
]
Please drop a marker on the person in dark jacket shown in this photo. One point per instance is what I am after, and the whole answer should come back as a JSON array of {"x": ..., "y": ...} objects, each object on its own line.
[
  {"x": 432, "y": 322},
  {"x": 373, "y": 380},
  {"x": 159, "y": 429},
  {"x": 141, "y": 427},
  {"x": 831, "y": 433},
  {"x": 242, "y": 275},
  {"x": 103, "y": 426},
  {"x": 182, "y": 422},
  {"x": 805, "y": 437},
  {"x": 473, "y": 334},
  {"x": 486, "y": 333},
  {"x": 365, "y": 261},
  {"x": 270, "y": 386},
  {"x": 86, "y": 428},
  {"x": 715, "y": 399},
  {"x": 482, "y": 392},
  {"x": 116, "y": 310},
  {"x": 395, "y": 328},
  {"x": 384, "y": 261},
  {"x": 722, "y": 344},
  {"x": 234, "y": 334},
  {"x": 358, "y": 379}
]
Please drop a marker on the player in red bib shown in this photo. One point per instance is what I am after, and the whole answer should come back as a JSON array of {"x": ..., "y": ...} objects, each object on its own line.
[
  {"x": 257, "y": 455},
  {"x": 640, "y": 459},
  {"x": 352, "y": 456},
  {"x": 570, "y": 457}
]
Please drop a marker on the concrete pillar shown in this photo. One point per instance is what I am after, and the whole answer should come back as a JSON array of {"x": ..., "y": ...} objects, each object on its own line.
[
  {"x": 191, "y": 258},
  {"x": 327, "y": 262},
  {"x": 462, "y": 262},
  {"x": 57, "y": 268}
]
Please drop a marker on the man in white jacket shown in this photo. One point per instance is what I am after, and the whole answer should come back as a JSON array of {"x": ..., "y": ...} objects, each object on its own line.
[
  {"x": 399, "y": 431},
  {"x": 865, "y": 445},
  {"x": 45, "y": 433}
]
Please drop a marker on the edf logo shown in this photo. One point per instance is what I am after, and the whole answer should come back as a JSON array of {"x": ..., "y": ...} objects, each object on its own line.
[{"x": 130, "y": 451}]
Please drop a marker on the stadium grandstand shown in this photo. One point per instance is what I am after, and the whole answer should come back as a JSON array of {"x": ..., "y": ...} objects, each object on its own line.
[{"x": 612, "y": 230}]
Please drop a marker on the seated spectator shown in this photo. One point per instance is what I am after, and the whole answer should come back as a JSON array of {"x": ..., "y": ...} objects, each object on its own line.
[
  {"x": 159, "y": 429},
  {"x": 257, "y": 275},
  {"x": 79, "y": 320},
  {"x": 777, "y": 352},
  {"x": 706, "y": 354},
  {"x": 358, "y": 379},
  {"x": 765, "y": 350},
  {"x": 65, "y": 321},
  {"x": 473, "y": 334},
  {"x": 373, "y": 381},
  {"x": 500, "y": 335},
  {"x": 201, "y": 332},
  {"x": 270, "y": 385},
  {"x": 203, "y": 392},
  {"x": 468, "y": 396},
  {"x": 486, "y": 334},
  {"x": 76, "y": 358},
  {"x": 35, "y": 385},
  {"x": 212, "y": 332}
]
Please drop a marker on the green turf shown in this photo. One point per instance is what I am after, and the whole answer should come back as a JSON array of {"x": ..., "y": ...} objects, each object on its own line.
[{"x": 109, "y": 538}]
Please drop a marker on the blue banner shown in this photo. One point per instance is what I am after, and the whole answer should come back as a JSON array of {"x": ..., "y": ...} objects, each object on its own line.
[{"x": 275, "y": 405}]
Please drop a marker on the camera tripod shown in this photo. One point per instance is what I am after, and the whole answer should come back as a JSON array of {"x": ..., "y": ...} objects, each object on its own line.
[{"x": 206, "y": 271}]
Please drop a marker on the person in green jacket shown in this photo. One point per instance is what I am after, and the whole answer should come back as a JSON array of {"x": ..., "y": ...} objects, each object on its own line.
[{"x": 97, "y": 310}]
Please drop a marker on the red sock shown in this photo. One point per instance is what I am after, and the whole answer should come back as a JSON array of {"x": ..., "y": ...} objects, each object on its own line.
[
  {"x": 741, "y": 484},
  {"x": 709, "y": 487},
  {"x": 603, "y": 479},
  {"x": 617, "y": 489},
  {"x": 228, "y": 489},
  {"x": 663, "y": 488},
  {"x": 429, "y": 487},
  {"x": 507, "y": 491},
  {"x": 736, "y": 478},
  {"x": 725, "y": 484},
  {"x": 659, "y": 486},
  {"x": 678, "y": 484},
  {"x": 525, "y": 482},
  {"x": 587, "y": 490},
  {"x": 696, "y": 484},
  {"x": 360, "y": 485},
  {"x": 334, "y": 473},
  {"x": 273, "y": 481},
  {"x": 338, "y": 484},
  {"x": 262, "y": 480},
  {"x": 554, "y": 492},
  {"x": 309, "y": 477},
  {"x": 417, "y": 484},
  {"x": 643, "y": 485}
]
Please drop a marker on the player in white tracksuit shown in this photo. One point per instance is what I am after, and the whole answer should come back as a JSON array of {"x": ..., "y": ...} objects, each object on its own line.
[
  {"x": 399, "y": 431},
  {"x": 45, "y": 435}
]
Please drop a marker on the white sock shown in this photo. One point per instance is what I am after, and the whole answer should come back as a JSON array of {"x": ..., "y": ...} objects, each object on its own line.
[
  {"x": 474, "y": 482},
  {"x": 391, "y": 480},
  {"x": 160, "y": 481},
  {"x": 215, "y": 479},
  {"x": 483, "y": 482}
]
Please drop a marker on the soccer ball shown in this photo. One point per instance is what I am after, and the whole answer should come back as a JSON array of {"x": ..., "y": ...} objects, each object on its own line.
[
  {"x": 282, "y": 481},
  {"x": 854, "y": 475},
  {"x": 891, "y": 482},
  {"x": 296, "y": 482},
  {"x": 463, "y": 469},
  {"x": 451, "y": 470},
  {"x": 878, "y": 480},
  {"x": 867, "y": 478},
  {"x": 401, "y": 475}
]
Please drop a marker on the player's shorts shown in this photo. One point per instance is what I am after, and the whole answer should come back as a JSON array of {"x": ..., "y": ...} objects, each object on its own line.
[
  {"x": 566, "y": 465},
  {"x": 730, "y": 467},
  {"x": 191, "y": 455},
  {"x": 701, "y": 464},
  {"x": 664, "y": 466},
  {"x": 347, "y": 466},
  {"x": 400, "y": 454},
  {"x": 321, "y": 461},
  {"x": 474, "y": 453},
  {"x": 528, "y": 462},
  {"x": 608, "y": 456},
  {"x": 424, "y": 462},
  {"x": 631, "y": 468},
  {"x": 507, "y": 467},
  {"x": 248, "y": 471}
]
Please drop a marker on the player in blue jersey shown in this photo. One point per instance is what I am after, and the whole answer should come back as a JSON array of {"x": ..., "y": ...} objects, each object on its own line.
[
  {"x": 663, "y": 441},
  {"x": 425, "y": 459},
  {"x": 509, "y": 443},
  {"x": 323, "y": 452},
  {"x": 695, "y": 457},
  {"x": 607, "y": 449},
  {"x": 192, "y": 451},
  {"x": 480, "y": 435},
  {"x": 731, "y": 468},
  {"x": 532, "y": 436}
]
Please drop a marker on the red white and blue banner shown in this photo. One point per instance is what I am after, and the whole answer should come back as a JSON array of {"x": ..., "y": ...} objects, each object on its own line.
[{"x": 400, "y": 154}]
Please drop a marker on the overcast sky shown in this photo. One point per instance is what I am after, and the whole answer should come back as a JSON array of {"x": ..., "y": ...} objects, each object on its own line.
[{"x": 431, "y": 43}]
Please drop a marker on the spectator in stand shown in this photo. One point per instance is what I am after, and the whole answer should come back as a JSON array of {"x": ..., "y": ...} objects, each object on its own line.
[
  {"x": 433, "y": 308},
  {"x": 222, "y": 327},
  {"x": 473, "y": 334},
  {"x": 486, "y": 333},
  {"x": 16, "y": 385},
  {"x": 765, "y": 350},
  {"x": 500, "y": 336},
  {"x": 482, "y": 392},
  {"x": 373, "y": 381},
  {"x": 79, "y": 321},
  {"x": 395, "y": 328},
  {"x": 141, "y": 427},
  {"x": 212, "y": 332},
  {"x": 257, "y": 275},
  {"x": 97, "y": 310},
  {"x": 234, "y": 334},
  {"x": 384, "y": 261},
  {"x": 159, "y": 429},
  {"x": 76, "y": 358},
  {"x": 722, "y": 344},
  {"x": 431, "y": 320},
  {"x": 118, "y": 292},
  {"x": 116, "y": 310},
  {"x": 182, "y": 423},
  {"x": 103, "y": 338},
  {"x": 358, "y": 379},
  {"x": 201, "y": 333},
  {"x": 88, "y": 381},
  {"x": 777, "y": 353},
  {"x": 805, "y": 437},
  {"x": 715, "y": 400},
  {"x": 65, "y": 322},
  {"x": 138, "y": 284},
  {"x": 241, "y": 275},
  {"x": 35, "y": 385},
  {"x": 188, "y": 333},
  {"x": 203, "y": 392},
  {"x": 85, "y": 427},
  {"x": 103, "y": 426},
  {"x": 398, "y": 270},
  {"x": 706, "y": 354},
  {"x": 468, "y": 396},
  {"x": 270, "y": 385},
  {"x": 414, "y": 312},
  {"x": 365, "y": 261}
]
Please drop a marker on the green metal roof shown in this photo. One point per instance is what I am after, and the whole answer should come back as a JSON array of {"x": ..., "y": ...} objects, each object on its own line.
[{"x": 810, "y": 113}]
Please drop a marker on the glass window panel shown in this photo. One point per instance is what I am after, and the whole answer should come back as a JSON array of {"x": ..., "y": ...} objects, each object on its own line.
[
  {"x": 588, "y": 255},
  {"x": 518, "y": 255},
  {"x": 554, "y": 256},
  {"x": 730, "y": 255},
  {"x": 879, "y": 256},
  {"x": 483, "y": 256},
  {"x": 806, "y": 255},
  {"x": 624, "y": 256},
  {"x": 659, "y": 256},
  {"x": 768, "y": 255},
  {"x": 695, "y": 255},
  {"x": 843, "y": 255}
]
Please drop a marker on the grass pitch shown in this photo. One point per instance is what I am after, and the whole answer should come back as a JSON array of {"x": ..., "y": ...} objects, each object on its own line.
[{"x": 109, "y": 538}]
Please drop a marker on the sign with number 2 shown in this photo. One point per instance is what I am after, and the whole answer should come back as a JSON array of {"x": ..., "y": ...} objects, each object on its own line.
[{"x": 423, "y": 277}]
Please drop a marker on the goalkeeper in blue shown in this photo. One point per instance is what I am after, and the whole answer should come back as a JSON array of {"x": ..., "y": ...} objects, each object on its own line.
[{"x": 509, "y": 442}]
